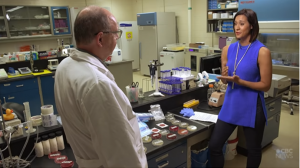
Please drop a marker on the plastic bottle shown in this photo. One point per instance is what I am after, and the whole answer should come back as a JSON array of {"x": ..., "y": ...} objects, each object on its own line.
[
  {"x": 39, "y": 151},
  {"x": 60, "y": 140},
  {"x": 46, "y": 145},
  {"x": 210, "y": 91},
  {"x": 53, "y": 143}
]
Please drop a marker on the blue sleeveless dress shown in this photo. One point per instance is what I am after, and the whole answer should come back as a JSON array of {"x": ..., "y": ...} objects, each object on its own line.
[{"x": 239, "y": 107}]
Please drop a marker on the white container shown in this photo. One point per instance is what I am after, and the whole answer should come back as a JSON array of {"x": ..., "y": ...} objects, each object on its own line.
[
  {"x": 231, "y": 149},
  {"x": 233, "y": 134},
  {"x": 39, "y": 151},
  {"x": 224, "y": 15},
  {"x": 216, "y": 15},
  {"x": 53, "y": 143},
  {"x": 116, "y": 56},
  {"x": 46, "y": 145},
  {"x": 60, "y": 140}
]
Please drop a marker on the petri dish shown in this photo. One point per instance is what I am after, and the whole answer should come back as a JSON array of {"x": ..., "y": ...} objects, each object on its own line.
[
  {"x": 176, "y": 122},
  {"x": 145, "y": 149},
  {"x": 157, "y": 142},
  {"x": 147, "y": 139},
  {"x": 191, "y": 128},
  {"x": 173, "y": 128},
  {"x": 171, "y": 136},
  {"x": 164, "y": 132},
  {"x": 183, "y": 125},
  {"x": 183, "y": 131},
  {"x": 170, "y": 119},
  {"x": 156, "y": 136},
  {"x": 169, "y": 115}
]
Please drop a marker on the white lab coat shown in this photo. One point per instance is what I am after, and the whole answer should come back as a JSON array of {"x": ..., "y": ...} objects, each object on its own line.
[{"x": 96, "y": 115}]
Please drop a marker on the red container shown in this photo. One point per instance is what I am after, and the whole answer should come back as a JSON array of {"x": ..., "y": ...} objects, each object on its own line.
[
  {"x": 171, "y": 136},
  {"x": 54, "y": 155},
  {"x": 60, "y": 159},
  {"x": 183, "y": 132},
  {"x": 67, "y": 164},
  {"x": 156, "y": 136}
]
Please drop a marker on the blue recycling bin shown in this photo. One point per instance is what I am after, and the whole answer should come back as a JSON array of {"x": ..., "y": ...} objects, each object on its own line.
[{"x": 199, "y": 158}]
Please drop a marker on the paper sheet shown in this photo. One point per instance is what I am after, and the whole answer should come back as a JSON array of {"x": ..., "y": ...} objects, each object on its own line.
[{"x": 204, "y": 117}]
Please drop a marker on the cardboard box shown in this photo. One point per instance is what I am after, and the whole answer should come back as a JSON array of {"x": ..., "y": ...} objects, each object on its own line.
[
  {"x": 195, "y": 45},
  {"x": 210, "y": 15}
]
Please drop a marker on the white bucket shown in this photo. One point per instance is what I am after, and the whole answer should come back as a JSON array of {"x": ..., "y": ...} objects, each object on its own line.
[
  {"x": 233, "y": 135},
  {"x": 231, "y": 149}
]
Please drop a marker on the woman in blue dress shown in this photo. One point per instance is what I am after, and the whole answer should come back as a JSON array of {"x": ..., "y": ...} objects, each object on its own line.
[{"x": 247, "y": 68}]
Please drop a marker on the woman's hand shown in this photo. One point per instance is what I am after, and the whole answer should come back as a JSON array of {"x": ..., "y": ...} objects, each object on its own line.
[
  {"x": 225, "y": 71},
  {"x": 235, "y": 78}
]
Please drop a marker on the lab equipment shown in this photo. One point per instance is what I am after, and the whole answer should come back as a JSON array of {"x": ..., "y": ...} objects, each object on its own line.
[
  {"x": 183, "y": 125},
  {"x": 216, "y": 99},
  {"x": 24, "y": 70},
  {"x": 280, "y": 84},
  {"x": 134, "y": 84},
  {"x": 155, "y": 130},
  {"x": 31, "y": 57},
  {"x": 210, "y": 91},
  {"x": 141, "y": 93},
  {"x": 52, "y": 64},
  {"x": 146, "y": 139},
  {"x": 156, "y": 30},
  {"x": 171, "y": 59},
  {"x": 67, "y": 164},
  {"x": 60, "y": 159},
  {"x": 28, "y": 117},
  {"x": 209, "y": 63},
  {"x": 129, "y": 41},
  {"x": 191, "y": 128},
  {"x": 3, "y": 74},
  {"x": 192, "y": 59},
  {"x": 156, "y": 136},
  {"x": 170, "y": 85},
  {"x": 164, "y": 132},
  {"x": 190, "y": 103},
  {"x": 170, "y": 119},
  {"x": 53, "y": 143},
  {"x": 183, "y": 132},
  {"x": 144, "y": 117},
  {"x": 174, "y": 128},
  {"x": 162, "y": 125},
  {"x": 154, "y": 74},
  {"x": 46, "y": 145},
  {"x": 132, "y": 93},
  {"x": 144, "y": 129},
  {"x": 176, "y": 122},
  {"x": 39, "y": 151},
  {"x": 116, "y": 56},
  {"x": 171, "y": 136},
  {"x": 60, "y": 140},
  {"x": 157, "y": 142}
]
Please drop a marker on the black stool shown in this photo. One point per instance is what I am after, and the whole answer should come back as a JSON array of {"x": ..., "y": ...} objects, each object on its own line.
[{"x": 290, "y": 101}]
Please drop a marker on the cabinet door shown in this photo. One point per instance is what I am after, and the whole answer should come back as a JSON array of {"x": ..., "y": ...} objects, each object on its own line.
[
  {"x": 28, "y": 21},
  {"x": 2, "y": 25},
  {"x": 61, "y": 20},
  {"x": 32, "y": 96},
  {"x": 47, "y": 84},
  {"x": 271, "y": 131}
]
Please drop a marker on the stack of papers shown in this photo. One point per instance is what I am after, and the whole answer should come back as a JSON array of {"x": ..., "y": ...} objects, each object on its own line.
[{"x": 200, "y": 116}]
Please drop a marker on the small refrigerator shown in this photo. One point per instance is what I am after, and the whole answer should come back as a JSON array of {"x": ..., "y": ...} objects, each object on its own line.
[
  {"x": 171, "y": 59},
  {"x": 129, "y": 42}
]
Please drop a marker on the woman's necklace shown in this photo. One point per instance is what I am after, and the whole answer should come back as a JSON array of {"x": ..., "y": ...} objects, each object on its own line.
[{"x": 236, "y": 65}]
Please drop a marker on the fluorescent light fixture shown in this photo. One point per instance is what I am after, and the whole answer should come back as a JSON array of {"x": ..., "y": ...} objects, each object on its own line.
[{"x": 15, "y": 8}]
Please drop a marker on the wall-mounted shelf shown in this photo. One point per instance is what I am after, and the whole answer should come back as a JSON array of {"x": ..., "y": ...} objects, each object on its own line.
[
  {"x": 222, "y": 9},
  {"x": 61, "y": 18},
  {"x": 29, "y": 18},
  {"x": 27, "y": 30}
]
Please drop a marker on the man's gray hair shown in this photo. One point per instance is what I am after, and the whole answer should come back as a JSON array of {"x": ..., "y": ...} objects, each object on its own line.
[{"x": 89, "y": 21}]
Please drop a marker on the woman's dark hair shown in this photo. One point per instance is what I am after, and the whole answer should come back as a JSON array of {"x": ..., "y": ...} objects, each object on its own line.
[{"x": 252, "y": 19}]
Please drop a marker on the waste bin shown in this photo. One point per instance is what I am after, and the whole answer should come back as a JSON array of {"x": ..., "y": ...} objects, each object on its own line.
[{"x": 199, "y": 153}]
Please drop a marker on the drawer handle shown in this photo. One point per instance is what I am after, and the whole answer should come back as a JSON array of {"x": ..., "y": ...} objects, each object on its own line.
[
  {"x": 8, "y": 84},
  {"x": 19, "y": 86},
  {"x": 164, "y": 165},
  {"x": 272, "y": 104},
  {"x": 9, "y": 98},
  {"x": 271, "y": 109}
]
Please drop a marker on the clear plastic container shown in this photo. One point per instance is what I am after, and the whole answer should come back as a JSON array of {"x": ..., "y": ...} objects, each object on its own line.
[{"x": 175, "y": 47}]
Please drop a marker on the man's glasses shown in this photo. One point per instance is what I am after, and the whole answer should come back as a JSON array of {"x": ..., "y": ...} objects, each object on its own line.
[{"x": 119, "y": 33}]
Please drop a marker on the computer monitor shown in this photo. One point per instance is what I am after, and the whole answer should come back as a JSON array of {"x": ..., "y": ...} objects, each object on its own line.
[{"x": 211, "y": 64}]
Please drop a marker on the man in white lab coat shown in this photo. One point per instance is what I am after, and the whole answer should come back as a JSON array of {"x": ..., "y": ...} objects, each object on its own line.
[{"x": 96, "y": 115}]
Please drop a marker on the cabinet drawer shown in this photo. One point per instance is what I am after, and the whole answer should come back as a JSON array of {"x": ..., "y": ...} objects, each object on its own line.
[
  {"x": 274, "y": 107},
  {"x": 32, "y": 96},
  {"x": 172, "y": 158},
  {"x": 17, "y": 86},
  {"x": 184, "y": 165},
  {"x": 272, "y": 129}
]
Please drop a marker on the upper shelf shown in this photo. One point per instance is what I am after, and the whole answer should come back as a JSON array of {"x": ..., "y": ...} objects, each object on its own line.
[
  {"x": 222, "y": 9},
  {"x": 222, "y": 19},
  {"x": 61, "y": 18},
  {"x": 28, "y": 18}
]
